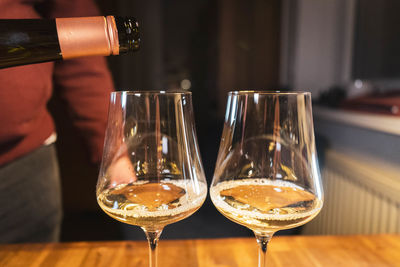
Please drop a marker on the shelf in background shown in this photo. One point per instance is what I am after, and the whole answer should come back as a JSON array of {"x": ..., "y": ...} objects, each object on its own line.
[{"x": 382, "y": 123}]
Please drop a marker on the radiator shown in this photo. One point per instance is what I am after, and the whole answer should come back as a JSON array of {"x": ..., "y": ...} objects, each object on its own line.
[{"x": 362, "y": 196}]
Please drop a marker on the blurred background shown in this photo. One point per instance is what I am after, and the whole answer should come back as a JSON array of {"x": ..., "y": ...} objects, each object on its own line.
[{"x": 344, "y": 51}]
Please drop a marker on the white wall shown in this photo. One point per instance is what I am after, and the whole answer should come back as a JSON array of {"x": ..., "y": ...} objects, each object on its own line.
[{"x": 316, "y": 43}]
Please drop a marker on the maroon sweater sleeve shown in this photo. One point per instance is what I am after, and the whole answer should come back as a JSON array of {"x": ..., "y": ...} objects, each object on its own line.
[{"x": 84, "y": 83}]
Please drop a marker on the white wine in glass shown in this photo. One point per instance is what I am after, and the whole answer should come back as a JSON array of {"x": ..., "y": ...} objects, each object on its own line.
[
  {"x": 151, "y": 173},
  {"x": 266, "y": 176},
  {"x": 264, "y": 206}
]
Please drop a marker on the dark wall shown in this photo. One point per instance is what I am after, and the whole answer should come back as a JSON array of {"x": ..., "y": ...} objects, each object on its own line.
[
  {"x": 377, "y": 40},
  {"x": 219, "y": 46}
]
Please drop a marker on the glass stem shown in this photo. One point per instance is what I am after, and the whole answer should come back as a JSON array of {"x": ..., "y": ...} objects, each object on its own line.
[
  {"x": 262, "y": 240},
  {"x": 152, "y": 238}
]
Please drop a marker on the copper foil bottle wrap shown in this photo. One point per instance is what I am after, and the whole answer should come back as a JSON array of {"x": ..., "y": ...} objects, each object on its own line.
[{"x": 87, "y": 36}]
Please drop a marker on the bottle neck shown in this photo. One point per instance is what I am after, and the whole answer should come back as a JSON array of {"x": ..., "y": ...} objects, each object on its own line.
[{"x": 128, "y": 34}]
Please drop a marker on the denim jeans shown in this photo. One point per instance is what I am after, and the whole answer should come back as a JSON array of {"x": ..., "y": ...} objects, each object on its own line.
[{"x": 30, "y": 198}]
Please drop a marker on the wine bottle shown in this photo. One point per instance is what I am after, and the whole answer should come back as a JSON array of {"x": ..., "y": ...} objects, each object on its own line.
[{"x": 28, "y": 41}]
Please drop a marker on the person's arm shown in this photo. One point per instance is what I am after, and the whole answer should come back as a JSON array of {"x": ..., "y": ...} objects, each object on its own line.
[{"x": 85, "y": 83}]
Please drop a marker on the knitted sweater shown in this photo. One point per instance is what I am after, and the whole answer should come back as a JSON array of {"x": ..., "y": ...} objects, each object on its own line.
[{"x": 83, "y": 83}]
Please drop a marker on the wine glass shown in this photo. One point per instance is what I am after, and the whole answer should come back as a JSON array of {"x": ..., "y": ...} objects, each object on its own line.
[
  {"x": 151, "y": 173},
  {"x": 266, "y": 176}
]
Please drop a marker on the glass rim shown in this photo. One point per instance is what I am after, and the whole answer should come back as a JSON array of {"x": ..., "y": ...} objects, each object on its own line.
[
  {"x": 153, "y": 92},
  {"x": 246, "y": 92}
]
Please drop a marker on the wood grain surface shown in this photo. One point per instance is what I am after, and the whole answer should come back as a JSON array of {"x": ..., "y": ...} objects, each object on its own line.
[{"x": 376, "y": 250}]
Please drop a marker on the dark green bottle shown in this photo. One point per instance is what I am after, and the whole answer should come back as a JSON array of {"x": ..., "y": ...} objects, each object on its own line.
[{"x": 28, "y": 41}]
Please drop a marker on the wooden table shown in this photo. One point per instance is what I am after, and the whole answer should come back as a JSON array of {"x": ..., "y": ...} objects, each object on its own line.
[{"x": 378, "y": 250}]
